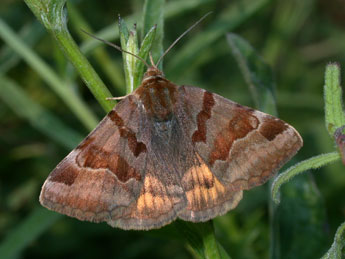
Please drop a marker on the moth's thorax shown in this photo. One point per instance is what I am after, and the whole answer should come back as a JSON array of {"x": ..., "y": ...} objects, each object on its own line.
[{"x": 157, "y": 94}]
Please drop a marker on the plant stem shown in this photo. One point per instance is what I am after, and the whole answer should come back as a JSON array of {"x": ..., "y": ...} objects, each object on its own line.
[
  {"x": 311, "y": 163},
  {"x": 51, "y": 14},
  {"x": 111, "y": 69}
]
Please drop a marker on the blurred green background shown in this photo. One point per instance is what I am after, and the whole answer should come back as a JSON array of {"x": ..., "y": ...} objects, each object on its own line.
[{"x": 296, "y": 38}]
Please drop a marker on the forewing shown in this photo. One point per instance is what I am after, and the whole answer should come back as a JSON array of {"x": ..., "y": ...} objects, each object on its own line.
[
  {"x": 104, "y": 173},
  {"x": 236, "y": 146}
]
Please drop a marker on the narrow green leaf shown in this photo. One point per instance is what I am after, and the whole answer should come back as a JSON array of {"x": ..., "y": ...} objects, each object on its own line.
[
  {"x": 124, "y": 36},
  {"x": 233, "y": 15},
  {"x": 177, "y": 7},
  {"x": 134, "y": 67},
  {"x": 257, "y": 74},
  {"x": 312, "y": 163},
  {"x": 129, "y": 43},
  {"x": 334, "y": 114},
  {"x": 51, "y": 13},
  {"x": 30, "y": 34},
  {"x": 337, "y": 250},
  {"x": 145, "y": 47},
  {"x": 44, "y": 121},
  {"x": 27, "y": 231},
  {"x": 123, "y": 31},
  {"x": 77, "y": 106},
  {"x": 201, "y": 238},
  {"x": 154, "y": 16},
  {"x": 131, "y": 61},
  {"x": 287, "y": 20}
]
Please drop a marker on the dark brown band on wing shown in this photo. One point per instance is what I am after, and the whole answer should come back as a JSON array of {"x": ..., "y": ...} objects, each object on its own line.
[
  {"x": 242, "y": 123},
  {"x": 271, "y": 128},
  {"x": 133, "y": 144},
  {"x": 205, "y": 114}
]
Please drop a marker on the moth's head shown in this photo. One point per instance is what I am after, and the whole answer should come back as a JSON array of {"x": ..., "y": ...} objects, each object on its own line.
[{"x": 152, "y": 72}]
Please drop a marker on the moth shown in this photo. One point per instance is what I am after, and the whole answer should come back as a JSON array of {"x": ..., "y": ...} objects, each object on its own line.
[{"x": 166, "y": 152}]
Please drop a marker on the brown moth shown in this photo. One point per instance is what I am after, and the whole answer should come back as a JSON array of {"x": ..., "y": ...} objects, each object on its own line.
[{"x": 166, "y": 152}]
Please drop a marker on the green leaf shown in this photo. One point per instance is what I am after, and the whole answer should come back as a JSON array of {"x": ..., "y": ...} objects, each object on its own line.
[
  {"x": 39, "y": 118},
  {"x": 257, "y": 74},
  {"x": 133, "y": 66},
  {"x": 334, "y": 114},
  {"x": 27, "y": 231},
  {"x": 337, "y": 250},
  {"x": 286, "y": 21},
  {"x": 77, "y": 106},
  {"x": 30, "y": 34},
  {"x": 145, "y": 48},
  {"x": 129, "y": 43},
  {"x": 177, "y": 7},
  {"x": 153, "y": 17},
  {"x": 123, "y": 32},
  {"x": 234, "y": 15}
]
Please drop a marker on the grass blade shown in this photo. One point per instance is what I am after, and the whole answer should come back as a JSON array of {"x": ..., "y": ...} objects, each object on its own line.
[
  {"x": 145, "y": 47},
  {"x": 83, "y": 113},
  {"x": 27, "y": 231},
  {"x": 39, "y": 118},
  {"x": 257, "y": 74},
  {"x": 30, "y": 34},
  {"x": 153, "y": 16},
  {"x": 228, "y": 20}
]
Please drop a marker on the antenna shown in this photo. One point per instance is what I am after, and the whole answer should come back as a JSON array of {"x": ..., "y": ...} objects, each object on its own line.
[
  {"x": 151, "y": 60},
  {"x": 174, "y": 43},
  {"x": 140, "y": 58},
  {"x": 117, "y": 47}
]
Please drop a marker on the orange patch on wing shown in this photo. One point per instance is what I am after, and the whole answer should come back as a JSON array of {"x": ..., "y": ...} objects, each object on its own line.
[
  {"x": 206, "y": 190},
  {"x": 150, "y": 199},
  {"x": 145, "y": 202}
]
